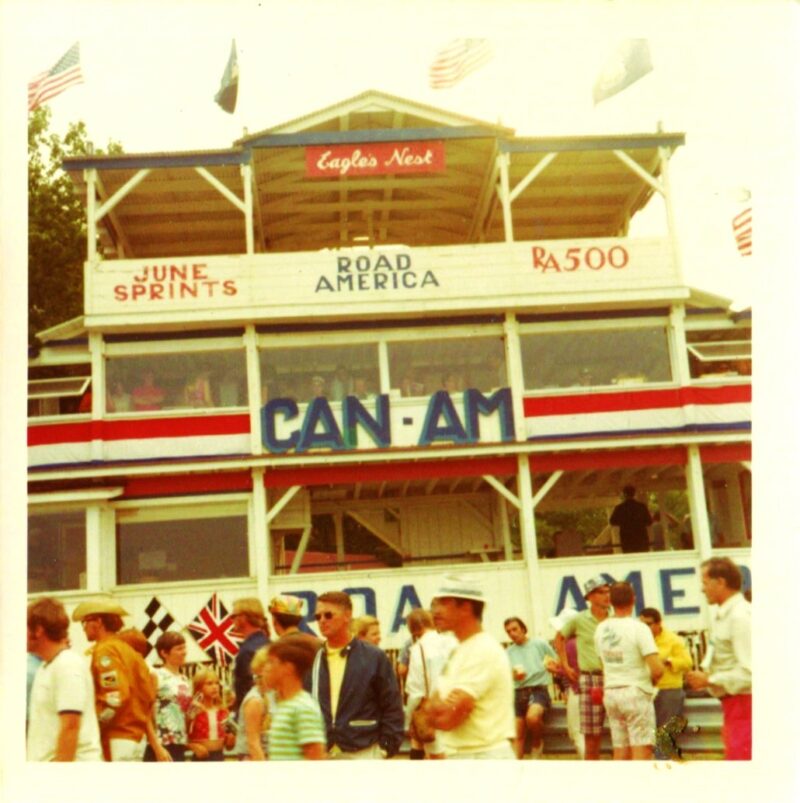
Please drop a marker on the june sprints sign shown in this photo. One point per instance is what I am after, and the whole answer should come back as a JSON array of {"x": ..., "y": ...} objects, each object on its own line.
[
  {"x": 375, "y": 159},
  {"x": 375, "y": 281}
]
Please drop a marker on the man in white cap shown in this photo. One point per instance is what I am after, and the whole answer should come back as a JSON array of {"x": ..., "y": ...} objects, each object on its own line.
[
  {"x": 473, "y": 704},
  {"x": 596, "y": 592},
  {"x": 123, "y": 690}
]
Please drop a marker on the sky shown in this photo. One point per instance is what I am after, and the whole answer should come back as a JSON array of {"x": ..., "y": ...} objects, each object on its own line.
[{"x": 724, "y": 73}]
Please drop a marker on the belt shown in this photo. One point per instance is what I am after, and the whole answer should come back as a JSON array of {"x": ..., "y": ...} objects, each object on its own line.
[
  {"x": 595, "y": 672},
  {"x": 531, "y": 688}
]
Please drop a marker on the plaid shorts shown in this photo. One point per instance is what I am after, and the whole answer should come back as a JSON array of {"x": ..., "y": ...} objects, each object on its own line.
[{"x": 592, "y": 714}]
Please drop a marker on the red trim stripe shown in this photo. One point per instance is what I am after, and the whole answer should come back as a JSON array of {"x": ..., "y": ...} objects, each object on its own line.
[
  {"x": 628, "y": 458},
  {"x": 188, "y": 484},
  {"x": 325, "y": 475},
  {"x": 139, "y": 429},
  {"x": 625, "y": 400},
  {"x": 726, "y": 453}
]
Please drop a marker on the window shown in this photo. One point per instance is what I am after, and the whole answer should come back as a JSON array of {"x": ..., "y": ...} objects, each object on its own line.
[
  {"x": 159, "y": 545},
  {"x": 421, "y": 367},
  {"x": 56, "y": 551},
  {"x": 60, "y": 392},
  {"x": 715, "y": 353},
  {"x": 187, "y": 380},
  {"x": 591, "y": 358},
  {"x": 305, "y": 372}
]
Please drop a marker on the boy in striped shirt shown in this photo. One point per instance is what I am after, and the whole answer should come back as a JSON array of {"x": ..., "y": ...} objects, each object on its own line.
[{"x": 297, "y": 730}]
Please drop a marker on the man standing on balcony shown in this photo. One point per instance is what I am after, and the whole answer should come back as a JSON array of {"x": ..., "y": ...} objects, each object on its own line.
[
  {"x": 355, "y": 686},
  {"x": 727, "y": 665},
  {"x": 633, "y": 518},
  {"x": 596, "y": 592}
]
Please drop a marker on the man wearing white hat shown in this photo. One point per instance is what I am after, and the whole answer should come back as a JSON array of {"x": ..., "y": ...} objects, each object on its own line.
[
  {"x": 123, "y": 690},
  {"x": 590, "y": 675},
  {"x": 473, "y": 704}
]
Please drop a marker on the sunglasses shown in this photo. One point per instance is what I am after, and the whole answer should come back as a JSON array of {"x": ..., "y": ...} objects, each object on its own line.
[{"x": 324, "y": 615}]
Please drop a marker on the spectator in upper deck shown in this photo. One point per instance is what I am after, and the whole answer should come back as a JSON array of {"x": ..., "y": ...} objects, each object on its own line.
[
  {"x": 118, "y": 399},
  {"x": 410, "y": 384},
  {"x": 633, "y": 518},
  {"x": 360, "y": 388},
  {"x": 318, "y": 387},
  {"x": 197, "y": 392},
  {"x": 342, "y": 384},
  {"x": 148, "y": 395},
  {"x": 452, "y": 382}
]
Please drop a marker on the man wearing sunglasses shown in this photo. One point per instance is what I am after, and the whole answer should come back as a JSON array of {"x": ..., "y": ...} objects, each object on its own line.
[{"x": 355, "y": 686}]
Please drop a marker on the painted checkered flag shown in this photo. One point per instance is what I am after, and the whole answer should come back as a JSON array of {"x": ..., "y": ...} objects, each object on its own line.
[
  {"x": 212, "y": 628},
  {"x": 157, "y": 621}
]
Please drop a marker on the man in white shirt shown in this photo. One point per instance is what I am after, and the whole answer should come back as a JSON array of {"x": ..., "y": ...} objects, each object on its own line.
[
  {"x": 63, "y": 725},
  {"x": 631, "y": 667},
  {"x": 727, "y": 667},
  {"x": 473, "y": 703}
]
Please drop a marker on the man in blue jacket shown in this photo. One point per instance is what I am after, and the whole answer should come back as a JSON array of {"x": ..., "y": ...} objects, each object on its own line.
[{"x": 355, "y": 686}]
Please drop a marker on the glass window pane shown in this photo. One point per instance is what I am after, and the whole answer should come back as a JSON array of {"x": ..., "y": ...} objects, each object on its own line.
[
  {"x": 304, "y": 372},
  {"x": 176, "y": 381},
  {"x": 421, "y": 367},
  {"x": 182, "y": 549},
  {"x": 595, "y": 358},
  {"x": 720, "y": 352},
  {"x": 56, "y": 551},
  {"x": 59, "y": 390}
]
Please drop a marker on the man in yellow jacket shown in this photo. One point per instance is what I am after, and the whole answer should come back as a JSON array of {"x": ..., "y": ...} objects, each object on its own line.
[
  {"x": 677, "y": 661},
  {"x": 124, "y": 693}
]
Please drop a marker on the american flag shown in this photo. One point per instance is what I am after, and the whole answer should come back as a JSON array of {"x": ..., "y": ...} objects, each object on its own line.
[
  {"x": 157, "y": 620},
  {"x": 457, "y": 60},
  {"x": 65, "y": 73},
  {"x": 211, "y": 629},
  {"x": 743, "y": 231}
]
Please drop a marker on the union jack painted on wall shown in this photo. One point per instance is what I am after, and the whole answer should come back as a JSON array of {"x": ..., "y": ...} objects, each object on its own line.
[{"x": 211, "y": 629}]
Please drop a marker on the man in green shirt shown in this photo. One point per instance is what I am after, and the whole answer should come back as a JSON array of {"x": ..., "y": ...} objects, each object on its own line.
[{"x": 596, "y": 592}]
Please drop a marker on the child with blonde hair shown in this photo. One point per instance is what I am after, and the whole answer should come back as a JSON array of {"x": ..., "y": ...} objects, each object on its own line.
[{"x": 208, "y": 719}]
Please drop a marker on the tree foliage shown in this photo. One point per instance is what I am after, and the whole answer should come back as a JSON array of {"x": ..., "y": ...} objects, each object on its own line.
[{"x": 56, "y": 224}]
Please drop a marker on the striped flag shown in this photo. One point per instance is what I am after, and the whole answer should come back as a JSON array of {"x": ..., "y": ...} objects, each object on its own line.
[
  {"x": 457, "y": 60},
  {"x": 211, "y": 629},
  {"x": 742, "y": 224},
  {"x": 629, "y": 62},
  {"x": 65, "y": 73}
]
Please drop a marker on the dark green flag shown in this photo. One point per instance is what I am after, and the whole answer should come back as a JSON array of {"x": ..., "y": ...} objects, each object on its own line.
[{"x": 229, "y": 86}]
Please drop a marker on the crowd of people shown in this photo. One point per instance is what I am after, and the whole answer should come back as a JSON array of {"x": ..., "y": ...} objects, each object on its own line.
[{"x": 338, "y": 697}]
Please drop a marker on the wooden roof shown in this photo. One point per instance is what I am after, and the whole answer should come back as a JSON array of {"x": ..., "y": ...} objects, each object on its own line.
[{"x": 586, "y": 191}]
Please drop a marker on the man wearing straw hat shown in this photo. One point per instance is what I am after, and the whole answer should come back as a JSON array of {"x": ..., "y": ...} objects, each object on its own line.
[
  {"x": 123, "y": 691},
  {"x": 473, "y": 704}
]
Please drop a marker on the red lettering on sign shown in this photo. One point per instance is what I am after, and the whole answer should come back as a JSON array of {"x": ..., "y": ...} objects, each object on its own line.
[
  {"x": 375, "y": 159},
  {"x": 594, "y": 258}
]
